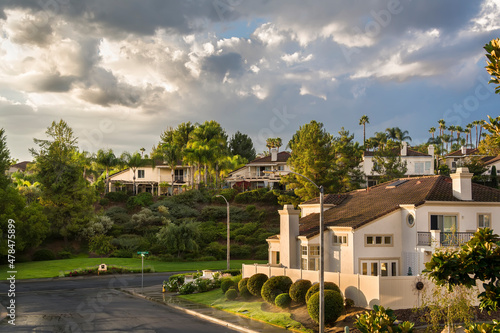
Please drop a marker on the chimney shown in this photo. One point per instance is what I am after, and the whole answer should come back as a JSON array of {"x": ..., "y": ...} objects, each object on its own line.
[
  {"x": 462, "y": 184},
  {"x": 464, "y": 150},
  {"x": 289, "y": 231},
  {"x": 274, "y": 154},
  {"x": 404, "y": 148},
  {"x": 430, "y": 150}
]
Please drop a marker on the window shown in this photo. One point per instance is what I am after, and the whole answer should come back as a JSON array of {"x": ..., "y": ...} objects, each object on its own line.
[
  {"x": 313, "y": 264},
  {"x": 445, "y": 223},
  {"x": 483, "y": 221},
  {"x": 304, "y": 250},
  {"x": 339, "y": 239},
  {"x": 140, "y": 173},
  {"x": 384, "y": 267},
  {"x": 427, "y": 167},
  {"x": 378, "y": 240},
  {"x": 303, "y": 263},
  {"x": 314, "y": 250},
  {"x": 179, "y": 175},
  {"x": 419, "y": 168},
  {"x": 410, "y": 219}
]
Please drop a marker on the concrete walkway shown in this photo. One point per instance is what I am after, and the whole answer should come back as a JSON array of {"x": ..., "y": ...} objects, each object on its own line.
[{"x": 238, "y": 323}]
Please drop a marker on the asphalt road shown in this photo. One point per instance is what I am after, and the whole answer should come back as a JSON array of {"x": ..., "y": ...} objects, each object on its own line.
[{"x": 94, "y": 305}]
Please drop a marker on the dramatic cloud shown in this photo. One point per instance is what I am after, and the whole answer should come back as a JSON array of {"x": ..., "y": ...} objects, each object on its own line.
[{"x": 261, "y": 67}]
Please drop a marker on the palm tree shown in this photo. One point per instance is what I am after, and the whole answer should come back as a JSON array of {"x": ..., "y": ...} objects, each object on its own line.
[
  {"x": 469, "y": 127},
  {"x": 493, "y": 126},
  {"x": 380, "y": 140},
  {"x": 391, "y": 132},
  {"x": 452, "y": 129},
  {"x": 446, "y": 138},
  {"x": 107, "y": 159},
  {"x": 432, "y": 130},
  {"x": 171, "y": 154},
  {"x": 133, "y": 161},
  {"x": 278, "y": 143},
  {"x": 442, "y": 126},
  {"x": 459, "y": 130},
  {"x": 142, "y": 151},
  {"x": 269, "y": 144},
  {"x": 402, "y": 135},
  {"x": 477, "y": 123},
  {"x": 363, "y": 121}
]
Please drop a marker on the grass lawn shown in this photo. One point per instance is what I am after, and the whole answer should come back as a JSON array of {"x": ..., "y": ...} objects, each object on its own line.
[
  {"x": 52, "y": 268},
  {"x": 252, "y": 309}
]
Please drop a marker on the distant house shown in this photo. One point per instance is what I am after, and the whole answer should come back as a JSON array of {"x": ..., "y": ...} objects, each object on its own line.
[
  {"x": 157, "y": 180},
  {"x": 253, "y": 175},
  {"x": 491, "y": 161},
  {"x": 390, "y": 229},
  {"x": 18, "y": 167},
  {"x": 417, "y": 163}
]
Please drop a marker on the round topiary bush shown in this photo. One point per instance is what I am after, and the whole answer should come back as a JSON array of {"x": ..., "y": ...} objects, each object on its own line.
[
  {"x": 298, "y": 291},
  {"x": 255, "y": 283},
  {"x": 315, "y": 288},
  {"x": 226, "y": 283},
  {"x": 283, "y": 300},
  {"x": 242, "y": 283},
  {"x": 231, "y": 294},
  {"x": 242, "y": 288},
  {"x": 43, "y": 254},
  {"x": 275, "y": 286},
  {"x": 334, "y": 305}
]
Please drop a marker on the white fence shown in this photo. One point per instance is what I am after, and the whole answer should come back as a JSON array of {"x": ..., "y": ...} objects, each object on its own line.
[{"x": 396, "y": 292}]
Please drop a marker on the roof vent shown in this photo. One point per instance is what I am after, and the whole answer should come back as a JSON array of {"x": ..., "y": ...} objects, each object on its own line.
[{"x": 397, "y": 183}]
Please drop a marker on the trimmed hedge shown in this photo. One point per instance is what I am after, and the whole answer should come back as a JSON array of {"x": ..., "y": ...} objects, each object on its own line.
[
  {"x": 242, "y": 283},
  {"x": 118, "y": 196},
  {"x": 227, "y": 283},
  {"x": 43, "y": 254},
  {"x": 298, "y": 291},
  {"x": 275, "y": 286},
  {"x": 315, "y": 288},
  {"x": 334, "y": 305},
  {"x": 231, "y": 294},
  {"x": 255, "y": 283},
  {"x": 233, "y": 272},
  {"x": 283, "y": 301}
]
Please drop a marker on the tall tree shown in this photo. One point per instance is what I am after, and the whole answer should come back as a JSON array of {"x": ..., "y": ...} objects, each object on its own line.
[
  {"x": 133, "y": 161},
  {"x": 64, "y": 192},
  {"x": 172, "y": 155},
  {"x": 241, "y": 144},
  {"x": 363, "y": 121},
  {"x": 107, "y": 159},
  {"x": 179, "y": 238},
  {"x": 388, "y": 164},
  {"x": 469, "y": 132},
  {"x": 4, "y": 160},
  {"x": 432, "y": 130}
]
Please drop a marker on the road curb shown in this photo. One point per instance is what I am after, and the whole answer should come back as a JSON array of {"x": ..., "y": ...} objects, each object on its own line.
[{"x": 193, "y": 313}]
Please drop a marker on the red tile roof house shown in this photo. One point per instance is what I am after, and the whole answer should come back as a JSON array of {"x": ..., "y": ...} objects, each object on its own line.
[{"x": 376, "y": 237}]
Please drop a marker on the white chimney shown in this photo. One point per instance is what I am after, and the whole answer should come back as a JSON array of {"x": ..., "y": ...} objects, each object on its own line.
[
  {"x": 430, "y": 150},
  {"x": 289, "y": 231},
  {"x": 462, "y": 184},
  {"x": 274, "y": 154},
  {"x": 464, "y": 150},
  {"x": 404, "y": 148}
]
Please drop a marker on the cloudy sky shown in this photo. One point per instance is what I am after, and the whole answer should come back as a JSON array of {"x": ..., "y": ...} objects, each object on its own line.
[{"x": 122, "y": 71}]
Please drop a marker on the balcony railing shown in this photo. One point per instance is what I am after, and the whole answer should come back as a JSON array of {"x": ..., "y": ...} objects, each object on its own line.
[
  {"x": 445, "y": 238},
  {"x": 455, "y": 238},
  {"x": 424, "y": 238}
]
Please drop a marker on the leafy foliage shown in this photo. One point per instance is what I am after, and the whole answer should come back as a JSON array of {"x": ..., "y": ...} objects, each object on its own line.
[
  {"x": 274, "y": 286},
  {"x": 315, "y": 288},
  {"x": 231, "y": 294},
  {"x": 241, "y": 144},
  {"x": 179, "y": 238},
  {"x": 283, "y": 300},
  {"x": 493, "y": 62},
  {"x": 255, "y": 283},
  {"x": 43, "y": 254},
  {"x": 381, "y": 320}
]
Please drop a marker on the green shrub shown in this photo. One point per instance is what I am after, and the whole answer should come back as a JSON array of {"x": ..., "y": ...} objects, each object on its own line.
[
  {"x": 298, "y": 291},
  {"x": 242, "y": 288},
  {"x": 274, "y": 286},
  {"x": 270, "y": 198},
  {"x": 226, "y": 283},
  {"x": 64, "y": 255},
  {"x": 283, "y": 301},
  {"x": 233, "y": 272},
  {"x": 240, "y": 251},
  {"x": 143, "y": 199},
  {"x": 104, "y": 202},
  {"x": 248, "y": 197},
  {"x": 202, "y": 285},
  {"x": 228, "y": 193},
  {"x": 334, "y": 305},
  {"x": 315, "y": 288},
  {"x": 122, "y": 253},
  {"x": 231, "y": 294},
  {"x": 381, "y": 320},
  {"x": 207, "y": 258},
  {"x": 255, "y": 283},
  {"x": 43, "y": 254},
  {"x": 242, "y": 283},
  {"x": 118, "y": 196},
  {"x": 187, "y": 288},
  {"x": 190, "y": 197}
]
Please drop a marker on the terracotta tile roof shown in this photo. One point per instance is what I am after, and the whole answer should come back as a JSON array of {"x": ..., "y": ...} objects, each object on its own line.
[
  {"x": 409, "y": 152},
  {"x": 21, "y": 165},
  {"x": 490, "y": 159},
  {"x": 329, "y": 199},
  {"x": 364, "y": 206},
  {"x": 468, "y": 151},
  {"x": 283, "y": 156}
]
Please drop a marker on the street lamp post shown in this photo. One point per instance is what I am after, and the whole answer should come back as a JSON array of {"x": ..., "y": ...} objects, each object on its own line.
[
  {"x": 321, "y": 252},
  {"x": 228, "y": 230}
]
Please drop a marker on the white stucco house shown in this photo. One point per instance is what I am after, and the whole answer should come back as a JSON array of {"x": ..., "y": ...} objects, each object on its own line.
[
  {"x": 417, "y": 163},
  {"x": 253, "y": 175},
  {"x": 390, "y": 229},
  {"x": 149, "y": 179}
]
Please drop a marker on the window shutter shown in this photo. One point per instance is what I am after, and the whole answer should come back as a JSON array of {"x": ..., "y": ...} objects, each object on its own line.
[{"x": 434, "y": 222}]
